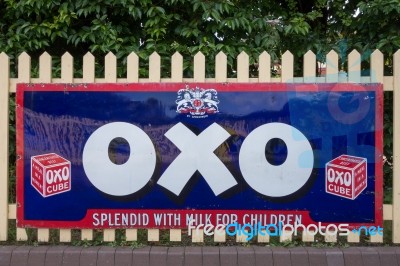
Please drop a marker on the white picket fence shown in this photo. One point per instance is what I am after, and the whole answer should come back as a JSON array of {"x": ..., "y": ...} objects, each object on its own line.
[{"x": 8, "y": 86}]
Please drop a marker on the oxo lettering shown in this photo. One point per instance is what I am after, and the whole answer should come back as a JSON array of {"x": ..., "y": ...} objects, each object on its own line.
[
  {"x": 57, "y": 175},
  {"x": 339, "y": 177},
  {"x": 259, "y": 174}
]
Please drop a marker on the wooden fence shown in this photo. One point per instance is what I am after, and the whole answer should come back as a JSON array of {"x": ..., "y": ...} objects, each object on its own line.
[{"x": 8, "y": 86}]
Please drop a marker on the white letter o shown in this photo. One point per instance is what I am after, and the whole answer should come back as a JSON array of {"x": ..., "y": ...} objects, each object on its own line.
[
  {"x": 124, "y": 179},
  {"x": 271, "y": 180}
]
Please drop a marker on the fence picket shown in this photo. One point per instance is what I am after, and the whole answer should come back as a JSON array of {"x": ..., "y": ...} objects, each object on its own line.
[
  {"x": 197, "y": 236},
  {"x": 307, "y": 237},
  {"x": 287, "y": 67},
  {"x": 376, "y": 238},
  {"x": 376, "y": 73},
  {"x": 131, "y": 234},
  {"x": 176, "y": 76},
  {"x": 220, "y": 235},
  {"x": 110, "y": 76},
  {"x": 45, "y": 68},
  {"x": 177, "y": 67},
  {"x": 4, "y": 144},
  {"x": 24, "y": 76},
  {"x": 264, "y": 67},
  {"x": 285, "y": 236},
  {"x": 88, "y": 68},
  {"x": 199, "y": 69},
  {"x": 396, "y": 147},
  {"x": 153, "y": 235},
  {"x": 263, "y": 238},
  {"x": 154, "y": 68},
  {"x": 43, "y": 234},
  {"x": 109, "y": 235},
  {"x": 67, "y": 76},
  {"x": 241, "y": 238},
  {"x": 330, "y": 238},
  {"x": 354, "y": 67},
  {"x": 110, "y": 68},
  {"x": 132, "y": 67},
  {"x": 67, "y": 68},
  {"x": 376, "y": 66},
  {"x": 309, "y": 67},
  {"x": 154, "y": 76},
  {"x": 24, "y": 68},
  {"x": 221, "y": 67},
  {"x": 243, "y": 67},
  {"x": 353, "y": 237},
  {"x": 332, "y": 67},
  {"x": 88, "y": 76},
  {"x": 175, "y": 235}
]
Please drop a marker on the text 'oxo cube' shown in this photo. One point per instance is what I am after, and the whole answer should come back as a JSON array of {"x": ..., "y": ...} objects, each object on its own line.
[
  {"x": 346, "y": 176},
  {"x": 50, "y": 174}
]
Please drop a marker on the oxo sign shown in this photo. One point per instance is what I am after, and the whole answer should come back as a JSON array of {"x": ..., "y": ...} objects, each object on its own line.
[
  {"x": 163, "y": 155},
  {"x": 197, "y": 154}
]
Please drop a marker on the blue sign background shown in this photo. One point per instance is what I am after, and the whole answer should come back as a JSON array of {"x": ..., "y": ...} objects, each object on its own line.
[{"x": 62, "y": 121}]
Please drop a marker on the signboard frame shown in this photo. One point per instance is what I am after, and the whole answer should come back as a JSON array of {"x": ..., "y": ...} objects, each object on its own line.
[{"x": 22, "y": 221}]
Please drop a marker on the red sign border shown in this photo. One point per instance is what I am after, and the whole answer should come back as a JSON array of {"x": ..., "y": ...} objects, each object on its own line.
[{"x": 159, "y": 87}]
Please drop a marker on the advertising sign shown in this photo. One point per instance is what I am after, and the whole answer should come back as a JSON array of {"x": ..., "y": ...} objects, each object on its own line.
[{"x": 170, "y": 155}]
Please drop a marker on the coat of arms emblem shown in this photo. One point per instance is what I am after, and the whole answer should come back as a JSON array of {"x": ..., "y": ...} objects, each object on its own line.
[{"x": 197, "y": 102}]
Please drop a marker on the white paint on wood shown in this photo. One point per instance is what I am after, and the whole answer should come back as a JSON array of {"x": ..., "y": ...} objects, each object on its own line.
[
  {"x": 241, "y": 238},
  {"x": 309, "y": 67},
  {"x": 197, "y": 236},
  {"x": 332, "y": 67},
  {"x": 4, "y": 144},
  {"x": 264, "y": 67},
  {"x": 330, "y": 238},
  {"x": 88, "y": 68},
  {"x": 154, "y": 68},
  {"x": 377, "y": 67},
  {"x": 87, "y": 234},
  {"x": 67, "y": 68},
  {"x": 12, "y": 211},
  {"x": 110, "y": 68},
  {"x": 243, "y": 67},
  {"x": 43, "y": 234},
  {"x": 177, "y": 67},
  {"x": 109, "y": 235},
  {"x": 131, "y": 234},
  {"x": 287, "y": 67},
  {"x": 221, "y": 67},
  {"x": 285, "y": 236},
  {"x": 45, "y": 68},
  {"x": 132, "y": 68},
  {"x": 175, "y": 235},
  {"x": 353, "y": 237},
  {"x": 376, "y": 238},
  {"x": 396, "y": 148},
  {"x": 307, "y": 237},
  {"x": 153, "y": 235},
  {"x": 65, "y": 235},
  {"x": 263, "y": 238},
  {"x": 354, "y": 67},
  {"x": 199, "y": 69}
]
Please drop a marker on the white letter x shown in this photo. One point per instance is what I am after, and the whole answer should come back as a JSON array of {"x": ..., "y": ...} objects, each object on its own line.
[{"x": 197, "y": 153}]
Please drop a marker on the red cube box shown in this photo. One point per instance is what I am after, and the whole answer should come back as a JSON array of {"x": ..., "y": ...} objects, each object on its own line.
[
  {"x": 346, "y": 176},
  {"x": 50, "y": 174}
]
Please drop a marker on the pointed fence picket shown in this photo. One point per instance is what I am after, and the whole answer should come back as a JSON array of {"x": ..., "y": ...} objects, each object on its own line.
[{"x": 334, "y": 73}]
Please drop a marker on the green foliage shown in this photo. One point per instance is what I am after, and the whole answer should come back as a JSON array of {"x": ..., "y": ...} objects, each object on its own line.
[{"x": 145, "y": 26}]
